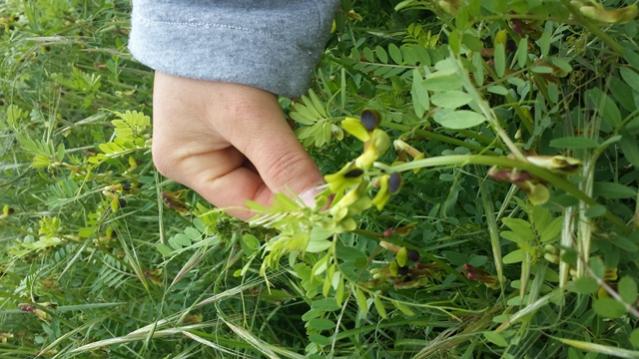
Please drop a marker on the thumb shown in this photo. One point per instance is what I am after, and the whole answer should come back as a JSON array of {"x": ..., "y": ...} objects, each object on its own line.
[{"x": 271, "y": 146}]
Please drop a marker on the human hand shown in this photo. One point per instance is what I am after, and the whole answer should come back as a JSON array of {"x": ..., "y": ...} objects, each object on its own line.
[{"x": 205, "y": 133}]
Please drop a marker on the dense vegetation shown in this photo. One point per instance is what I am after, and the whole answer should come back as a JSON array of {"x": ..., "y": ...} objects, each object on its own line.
[{"x": 491, "y": 210}]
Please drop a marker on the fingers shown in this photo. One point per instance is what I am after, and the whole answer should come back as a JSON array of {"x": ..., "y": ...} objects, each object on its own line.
[
  {"x": 261, "y": 133},
  {"x": 204, "y": 132},
  {"x": 221, "y": 178}
]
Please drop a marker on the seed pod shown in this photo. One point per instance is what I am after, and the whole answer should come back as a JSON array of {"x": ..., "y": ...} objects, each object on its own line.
[
  {"x": 126, "y": 186},
  {"x": 370, "y": 119},
  {"x": 122, "y": 202},
  {"x": 394, "y": 182}
]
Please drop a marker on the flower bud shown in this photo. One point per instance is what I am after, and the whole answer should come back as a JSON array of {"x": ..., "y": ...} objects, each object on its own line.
[
  {"x": 354, "y": 127},
  {"x": 560, "y": 164},
  {"x": 370, "y": 119},
  {"x": 615, "y": 16},
  {"x": 501, "y": 37},
  {"x": 394, "y": 182},
  {"x": 374, "y": 148}
]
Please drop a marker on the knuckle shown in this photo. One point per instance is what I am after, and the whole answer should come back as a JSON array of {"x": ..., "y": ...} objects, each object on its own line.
[
  {"x": 288, "y": 167},
  {"x": 162, "y": 161}
]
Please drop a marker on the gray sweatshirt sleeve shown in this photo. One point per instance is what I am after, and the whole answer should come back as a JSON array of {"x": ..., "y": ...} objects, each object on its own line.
[{"x": 270, "y": 44}]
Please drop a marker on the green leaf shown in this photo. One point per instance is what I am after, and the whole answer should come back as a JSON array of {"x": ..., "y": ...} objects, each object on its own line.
[
  {"x": 515, "y": 256},
  {"x": 164, "y": 250},
  {"x": 632, "y": 57},
  {"x": 498, "y": 90},
  {"x": 630, "y": 149},
  {"x": 443, "y": 81},
  {"x": 610, "y": 111},
  {"x": 320, "y": 324},
  {"x": 249, "y": 243},
  {"x": 361, "y": 301},
  {"x": 609, "y": 308},
  {"x": 419, "y": 95},
  {"x": 325, "y": 305},
  {"x": 542, "y": 69},
  {"x": 552, "y": 230},
  {"x": 574, "y": 143},
  {"x": 478, "y": 69},
  {"x": 630, "y": 77},
  {"x": 522, "y": 53},
  {"x": 584, "y": 285},
  {"x": 496, "y": 338},
  {"x": 403, "y": 308},
  {"x": 379, "y": 306},
  {"x": 545, "y": 39},
  {"x": 599, "y": 348},
  {"x": 318, "y": 242},
  {"x": 319, "y": 339},
  {"x": 563, "y": 64},
  {"x": 500, "y": 59},
  {"x": 611, "y": 190},
  {"x": 458, "y": 120},
  {"x": 627, "y": 288},
  {"x": 622, "y": 93},
  {"x": 381, "y": 54},
  {"x": 634, "y": 338},
  {"x": 180, "y": 240},
  {"x": 596, "y": 211},
  {"x": 451, "y": 99},
  {"x": 597, "y": 266},
  {"x": 395, "y": 53}
]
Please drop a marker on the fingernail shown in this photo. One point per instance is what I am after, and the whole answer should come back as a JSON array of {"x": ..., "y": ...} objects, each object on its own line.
[{"x": 308, "y": 196}]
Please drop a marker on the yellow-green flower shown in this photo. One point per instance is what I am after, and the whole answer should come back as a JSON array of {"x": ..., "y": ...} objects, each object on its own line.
[
  {"x": 355, "y": 128},
  {"x": 388, "y": 184},
  {"x": 346, "y": 177},
  {"x": 374, "y": 148}
]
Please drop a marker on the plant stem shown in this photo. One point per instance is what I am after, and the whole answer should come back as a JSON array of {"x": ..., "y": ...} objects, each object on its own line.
[
  {"x": 487, "y": 111},
  {"x": 434, "y": 136},
  {"x": 539, "y": 172},
  {"x": 566, "y": 241},
  {"x": 489, "y": 212},
  {"x": 583, "y": 21}
]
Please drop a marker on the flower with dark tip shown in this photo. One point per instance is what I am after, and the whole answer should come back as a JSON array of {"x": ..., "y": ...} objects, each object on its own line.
[{"x": 370, "y": 119}]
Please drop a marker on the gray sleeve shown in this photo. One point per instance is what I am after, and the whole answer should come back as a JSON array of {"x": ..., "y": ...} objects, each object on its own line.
[{"x": 270, "y": 44}]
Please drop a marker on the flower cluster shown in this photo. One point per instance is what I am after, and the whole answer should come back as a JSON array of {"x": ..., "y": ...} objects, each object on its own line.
[{"x": 350, "y": 185}]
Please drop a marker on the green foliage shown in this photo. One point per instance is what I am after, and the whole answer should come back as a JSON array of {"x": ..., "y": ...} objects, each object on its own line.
[{"x": 417, "y": 109}]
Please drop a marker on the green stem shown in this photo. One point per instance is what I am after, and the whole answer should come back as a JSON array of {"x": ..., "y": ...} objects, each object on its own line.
[
  {"x": 583, "y": 21},
  {"x": 539, "y": 172},
  {"x": 434, "y": 136},
  {"x": 487, "y": 111},
  {"x": 493, "y": 231}
]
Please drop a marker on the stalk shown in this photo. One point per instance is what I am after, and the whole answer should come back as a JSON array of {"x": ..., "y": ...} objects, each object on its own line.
[
  {"x": 566, "y": 241},
  {"x": 489, "y": 211},
  {"x": 539, "y": 172},
  {"x": 584, "y": 229},
  {"x": 487, "y": 111}
]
